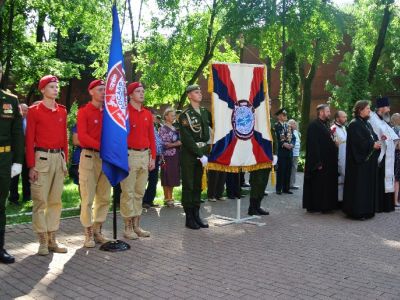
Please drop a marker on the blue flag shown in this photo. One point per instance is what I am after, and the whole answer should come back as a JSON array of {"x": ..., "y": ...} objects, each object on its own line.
[{"x": 114, "y": 145}]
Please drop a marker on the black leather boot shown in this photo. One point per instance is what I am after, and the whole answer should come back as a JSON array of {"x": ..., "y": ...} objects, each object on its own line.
[
  {"x": 252, "y": 207},
  {"x": 196, "y": 215},
  {"x": 260, "y": 210},
  {"x": 5, "y": 258},
  {"x": 190, "y": 222}
]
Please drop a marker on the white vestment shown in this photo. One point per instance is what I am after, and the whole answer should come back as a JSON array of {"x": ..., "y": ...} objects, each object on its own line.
[
  {"x": 340, "y": 136},
  {"x": 388, "y": 139}
]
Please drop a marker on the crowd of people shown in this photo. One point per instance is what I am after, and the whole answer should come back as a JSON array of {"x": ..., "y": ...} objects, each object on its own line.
[{"x": 354, "y": 167}]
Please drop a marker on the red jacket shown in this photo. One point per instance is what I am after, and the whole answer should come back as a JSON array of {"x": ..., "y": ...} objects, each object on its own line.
[
  {"x": 141, "y": 128},
  {"x": 89, "y": 124},
  {"x": 45, "y": 128}
]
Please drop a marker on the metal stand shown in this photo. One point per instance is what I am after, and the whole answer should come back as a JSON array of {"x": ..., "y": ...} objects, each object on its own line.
[
  {"x": 115, "y": 245},
  {"x": 238, "y": 219}
]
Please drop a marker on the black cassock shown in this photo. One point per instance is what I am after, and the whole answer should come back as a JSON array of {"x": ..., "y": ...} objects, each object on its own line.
[
  {"x": 320, "y": 191},
  {"x": 360, "y": 185}
]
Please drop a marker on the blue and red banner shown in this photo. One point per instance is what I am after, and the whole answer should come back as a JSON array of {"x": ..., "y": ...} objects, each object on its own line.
[
  {"x": 114, "y": 147},
  {"x": 242, "y": 137}
]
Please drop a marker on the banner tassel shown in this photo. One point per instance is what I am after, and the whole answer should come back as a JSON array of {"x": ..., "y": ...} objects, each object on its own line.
[
  {"x": 204, "y": 179},
  {"x": 273, "y": 176}
]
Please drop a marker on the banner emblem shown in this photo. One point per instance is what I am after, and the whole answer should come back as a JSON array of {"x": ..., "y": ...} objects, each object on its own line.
[{"x": 243, "y": 120}]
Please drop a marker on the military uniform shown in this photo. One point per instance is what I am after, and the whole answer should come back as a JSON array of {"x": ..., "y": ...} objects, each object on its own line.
[
  {"x": 283, "y": 135},
  {"x": 11, "y": 151},
  {"x": 195, "y": 133}
]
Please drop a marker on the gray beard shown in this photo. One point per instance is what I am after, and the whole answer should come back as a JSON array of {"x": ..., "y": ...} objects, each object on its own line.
[{"x": 386, "y": 117}]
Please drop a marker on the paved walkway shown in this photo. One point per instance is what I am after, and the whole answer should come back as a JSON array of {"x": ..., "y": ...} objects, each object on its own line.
[{"x": 295, "y": 256}]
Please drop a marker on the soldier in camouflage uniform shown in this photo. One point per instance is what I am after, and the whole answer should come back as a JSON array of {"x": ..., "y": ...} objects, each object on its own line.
[
  {"x": 11, "y": 156},
  {"x": 194, "y": 124}
]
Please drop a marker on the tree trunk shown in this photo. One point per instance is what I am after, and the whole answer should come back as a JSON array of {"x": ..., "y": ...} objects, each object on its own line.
[
  {"x": 283, "y": 68},
  {"x": 58, "y": 45},
  {"x": 380, "y": 43},
  {"x": 208, "y": 52},
  {"x": 68, "y": 96},
  {"x": 10, "y": 48},
  {"x": 268, "y": 63},
  {"x": 133, "y": 42},
  {"x": 306, "y": 95},
  {"x": 28, "y": 99},
  {"x": 40, "y": 27}
]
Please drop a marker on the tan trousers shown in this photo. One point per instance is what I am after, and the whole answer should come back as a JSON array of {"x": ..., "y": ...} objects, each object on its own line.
[
  {"x": 134, "y": 186},
  {"x": 94, "y": 187},
  {"x": 47, "y": 190}
]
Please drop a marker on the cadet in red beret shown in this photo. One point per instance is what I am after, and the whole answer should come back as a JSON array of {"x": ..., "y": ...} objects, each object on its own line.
[
  {"x": 142, "y": 155},
  {"x": 94, "y": 186},
  {"x": 46, "y": 156}
]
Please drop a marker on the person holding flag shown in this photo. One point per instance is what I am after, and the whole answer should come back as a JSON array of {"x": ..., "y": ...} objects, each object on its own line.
[
  {"x": 195, "y": 123},
  {"x": 142, "y": 155},
  {"x": 95, "y": 188},
  {"x": 46, "y": 155}
]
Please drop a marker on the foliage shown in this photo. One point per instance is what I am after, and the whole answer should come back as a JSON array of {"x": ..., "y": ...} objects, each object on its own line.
[
  {"x": 292, "y": 93},
  {"x": 353, "y": 84}
]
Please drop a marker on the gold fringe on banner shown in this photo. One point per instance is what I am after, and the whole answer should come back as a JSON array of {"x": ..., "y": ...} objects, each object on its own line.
[
  {"x": 235, "y": 169},
  {"x": 210, "y": 80},
  {"x": 204, "y": 179}
]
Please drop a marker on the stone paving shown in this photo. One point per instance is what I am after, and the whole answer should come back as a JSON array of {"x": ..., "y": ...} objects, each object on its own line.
[{"x": 295, "y": 256}]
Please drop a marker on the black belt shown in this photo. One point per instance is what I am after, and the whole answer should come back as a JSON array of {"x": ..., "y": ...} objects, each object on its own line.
[
  {"x": 48, "y": 150},
  {"x": 140, "y": 150},
  {"x": 91, "y": 149}
]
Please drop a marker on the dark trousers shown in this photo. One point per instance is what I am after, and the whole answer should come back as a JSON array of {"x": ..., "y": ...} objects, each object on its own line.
[
  {"x": 233, "y": 185},
  {"x": 216, "y": 184},
  {"x": 258, "y": 183},
  {"x": 5, "y": 179},
  {"x": 26, "y": 186},
  {"x": 192, "y": 172},
  {"x": 151, "y": 189},
  {"x": 283, "y": 174}
]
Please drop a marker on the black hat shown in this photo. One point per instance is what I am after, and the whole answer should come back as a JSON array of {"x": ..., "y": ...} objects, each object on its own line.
[
  {"x": 281, "y": 111},
  {"x": 382, "y": 102}
]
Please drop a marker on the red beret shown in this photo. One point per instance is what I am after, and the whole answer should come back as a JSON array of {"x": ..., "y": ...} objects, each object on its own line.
[
  {"x": 95, "y": 83},
  {"x": 133, "y": 86},
  {"x": 46, "y": 80}
]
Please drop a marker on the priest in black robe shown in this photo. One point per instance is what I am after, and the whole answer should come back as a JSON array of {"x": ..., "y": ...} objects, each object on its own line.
[
  {"x": 363, "y": 149},
  {"x": 320, "y": 191}
]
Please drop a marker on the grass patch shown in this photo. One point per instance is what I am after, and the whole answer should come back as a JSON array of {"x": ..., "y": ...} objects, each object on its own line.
[{"x": 71, "y": 199}]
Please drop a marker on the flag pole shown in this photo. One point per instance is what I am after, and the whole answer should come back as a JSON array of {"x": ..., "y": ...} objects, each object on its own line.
[{"x": 115, "y": 129}]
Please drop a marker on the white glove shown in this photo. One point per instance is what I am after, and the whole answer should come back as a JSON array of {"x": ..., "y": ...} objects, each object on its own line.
[
  {"x": 203, "y": 160},
  {"x": 16, "y": 169},
  {"x": 274, "y": 160}
]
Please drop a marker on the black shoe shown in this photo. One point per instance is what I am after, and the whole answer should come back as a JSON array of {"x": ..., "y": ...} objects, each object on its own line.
[
  {"x": 261, "y": 211},
  {"x": 198, "y": 220},
  {"x": 190, "y": 222},
  {"x": 295, "y": 187},
  {"x": 245, "y": 185},
  {"x": 288, "y": 192},
  {"x": 278, "y": 192},
  {"x": 146, "y": 205},
  {"x": 252, "y": 207},
  {"x": 6, "y": 258}
]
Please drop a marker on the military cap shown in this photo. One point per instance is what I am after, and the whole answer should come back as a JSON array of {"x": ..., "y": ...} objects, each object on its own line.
[
  {"x": 192, "y": 87},
  {"x": 158, "y": 117},
  {"x": 281, "y": 111},
  {"x": 133, "y": 86},
  {"x": 95, "y": 83},
  {"x": 45, "y": 80}
]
